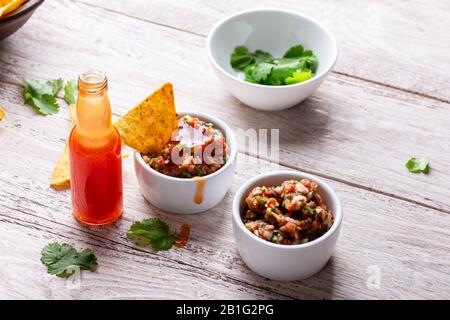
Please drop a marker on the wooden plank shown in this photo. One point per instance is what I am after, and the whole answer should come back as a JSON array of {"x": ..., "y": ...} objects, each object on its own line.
[
  {"x": 123, "y": 272},
  {"x": 401, "y": 44},
  {"x": 349, "y": 131},
  {"x": 408, "y": 243}
]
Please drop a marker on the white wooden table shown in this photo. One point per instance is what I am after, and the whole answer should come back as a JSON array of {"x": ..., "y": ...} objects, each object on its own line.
[{"x": 387, "y": 99}]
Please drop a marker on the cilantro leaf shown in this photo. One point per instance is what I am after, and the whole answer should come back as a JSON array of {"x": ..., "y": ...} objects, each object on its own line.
[
  {"x": 53, "y": 86},
  {"x": 63, "y": 260},
  {"x": 42, "y": 96},
  {"x": 45, "y": 104},
  {"x": 163, "y": 243},
  {"x": 294, "y": 52},
  {"x": 32, "y": 89},
  {"x": 241, "y": 50},
  {"x": 296, "y": 65},
  {"x": 308, "y": 53},
  {"x": 261, "y": 56},
  {"x": 152, "y": 232},
  {"x": 283, "y": 68},
  {"x": 248, "y": 71},
  {"x": 311, "y": 63},
  {"x": 71, "y": 91},
  {"x": 242, "y": 58},
  {"x": 261, "y": 71},
  {"x": 418, "y": 165},
  {"x": 240, "y": 62}
]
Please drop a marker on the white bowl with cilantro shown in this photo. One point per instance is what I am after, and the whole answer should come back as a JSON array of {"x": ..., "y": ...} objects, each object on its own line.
[{"x": 271, "y": 59}]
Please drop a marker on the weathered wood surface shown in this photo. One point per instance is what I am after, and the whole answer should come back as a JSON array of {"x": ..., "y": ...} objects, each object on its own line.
[
  {"x": 351, "y": 130},
  {"x": 402, "y": 44},
  {"x": 356, "y": 134},
  {"x": 364, "y": 132},
  {"x": 377, "y": 231}
]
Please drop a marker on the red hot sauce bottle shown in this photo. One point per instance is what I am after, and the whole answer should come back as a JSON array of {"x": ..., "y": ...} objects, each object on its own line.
[{"x": 95, "y": 155}]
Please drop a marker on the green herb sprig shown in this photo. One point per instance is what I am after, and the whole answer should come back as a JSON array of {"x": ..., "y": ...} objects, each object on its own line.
[
  {"x": 42, "y": 96},
  {"x": 152, "y": 232},
  {"x": 418, "y": 165},
  {"x": 296, "y": 65},
  {"x": 63, "y": 260}
]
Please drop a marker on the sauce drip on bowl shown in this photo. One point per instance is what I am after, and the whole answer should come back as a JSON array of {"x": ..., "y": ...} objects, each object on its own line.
[{"x": 199, "y": 189}]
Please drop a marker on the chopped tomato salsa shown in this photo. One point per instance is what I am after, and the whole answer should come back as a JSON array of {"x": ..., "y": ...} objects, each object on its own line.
[
  {"x": 196, "y": 149},
  {"x": 292, "y": 213}
]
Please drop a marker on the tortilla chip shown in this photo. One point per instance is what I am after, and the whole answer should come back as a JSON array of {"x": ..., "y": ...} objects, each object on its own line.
[
  {"x": 61, "y": 172},
  {"x": 10, "y": 6},
  {"x": 2, "y": 113},
  {"x": 73, "y": 114},
  {"x": 148, "y": 126}
]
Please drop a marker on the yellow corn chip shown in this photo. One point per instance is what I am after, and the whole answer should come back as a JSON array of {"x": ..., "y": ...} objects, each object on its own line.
[
  {"x": 73, "y": 114},
  {"x": 148, "y": 126},
  {"x": 10, "y": 6},
  {"x": 4, "y": 2},
  {"x": 2, "y": 114},
  {"x": 61, "y": 172}
]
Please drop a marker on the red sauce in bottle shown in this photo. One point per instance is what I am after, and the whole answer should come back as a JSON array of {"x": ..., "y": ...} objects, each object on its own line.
[{"x": 95, "y": 155}]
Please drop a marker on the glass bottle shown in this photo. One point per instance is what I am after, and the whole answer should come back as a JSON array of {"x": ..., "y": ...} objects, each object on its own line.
[{"x": 95, "y": 155}]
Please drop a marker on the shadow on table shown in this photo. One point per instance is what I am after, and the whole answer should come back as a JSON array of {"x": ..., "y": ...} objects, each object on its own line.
[
  {"x": 93, "y": 234},
  {"x": 318, "y": 287},
  {"x": 323, "y": 283},
  {"x": 303, "y": 124}
]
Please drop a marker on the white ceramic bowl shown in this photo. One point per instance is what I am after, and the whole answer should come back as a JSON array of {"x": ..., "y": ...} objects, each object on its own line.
[
  {"x": 285, "y": 262},
  {"x": 274, "y": 31},
  {"x": 178, "y": 195}
]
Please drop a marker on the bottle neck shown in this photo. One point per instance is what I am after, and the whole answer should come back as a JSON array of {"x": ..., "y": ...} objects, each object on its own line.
[{"x": 93, "y": 107}]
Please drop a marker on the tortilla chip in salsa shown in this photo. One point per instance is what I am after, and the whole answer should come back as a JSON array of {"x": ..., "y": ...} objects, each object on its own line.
[{"x": 148, "y": 126}]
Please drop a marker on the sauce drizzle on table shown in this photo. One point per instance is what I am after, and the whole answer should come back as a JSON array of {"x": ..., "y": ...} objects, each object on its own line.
[{"x": 183, "y": 237}]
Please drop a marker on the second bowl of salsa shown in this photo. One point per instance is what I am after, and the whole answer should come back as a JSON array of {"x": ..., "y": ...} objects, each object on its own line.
[
  {"x": 194, "y": 170},
  {"x": 286, "y": 224}
]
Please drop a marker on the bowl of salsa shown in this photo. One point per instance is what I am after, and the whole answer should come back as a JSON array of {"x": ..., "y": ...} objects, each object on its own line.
[
  {"x": 194, "y": 170},
  {"x": 286, "y": 224}
]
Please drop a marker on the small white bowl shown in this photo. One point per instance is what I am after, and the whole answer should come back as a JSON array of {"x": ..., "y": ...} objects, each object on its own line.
[
  {"x": 178, "y": 195},
  {"x": 274, "y": 31},
  {"x": 285, "y": 262}
]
